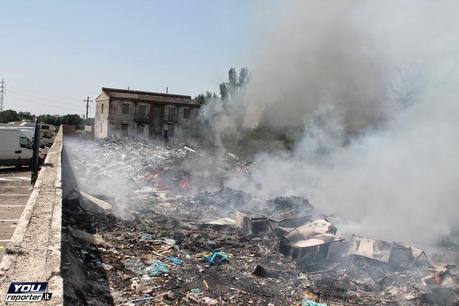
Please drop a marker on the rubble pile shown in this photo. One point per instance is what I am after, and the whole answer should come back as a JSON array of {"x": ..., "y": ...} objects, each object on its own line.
[
  {"x": 173, "y": 239},
  {"x": 135, "y": 172},
  {"x": 180, "y": 263}
]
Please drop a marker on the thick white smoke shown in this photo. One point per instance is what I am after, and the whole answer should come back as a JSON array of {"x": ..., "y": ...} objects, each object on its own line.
[{"x": 387, "y": 70}]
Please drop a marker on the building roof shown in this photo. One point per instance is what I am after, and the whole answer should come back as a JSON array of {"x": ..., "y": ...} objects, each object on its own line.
[{"x": 149, "y": 97}]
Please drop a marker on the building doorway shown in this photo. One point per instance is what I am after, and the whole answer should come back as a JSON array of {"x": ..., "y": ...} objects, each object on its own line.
[
  {"x": 140, "y": 130},
  {"x": 124, "y": 130}
]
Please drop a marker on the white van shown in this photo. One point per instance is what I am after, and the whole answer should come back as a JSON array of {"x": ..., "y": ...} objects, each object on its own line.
[
  {"x": 29, "y": 131},
  {"x": 15, "y": 148}
]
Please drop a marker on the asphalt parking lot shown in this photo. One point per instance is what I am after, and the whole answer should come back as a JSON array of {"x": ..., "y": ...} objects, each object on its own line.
[{"x": 15, "y": 189}]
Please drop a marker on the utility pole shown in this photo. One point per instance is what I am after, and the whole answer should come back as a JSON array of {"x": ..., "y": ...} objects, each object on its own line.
[
  {"x": 87, "y": 108},
  {"x": 2, "y": 92}
]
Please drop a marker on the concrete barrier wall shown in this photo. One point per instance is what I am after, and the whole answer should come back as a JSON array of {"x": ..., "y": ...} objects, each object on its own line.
[{"x": 34, "y": 253}]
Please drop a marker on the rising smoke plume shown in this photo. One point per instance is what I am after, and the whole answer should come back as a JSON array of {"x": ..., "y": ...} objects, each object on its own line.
[{"x": 375, "y": 86}]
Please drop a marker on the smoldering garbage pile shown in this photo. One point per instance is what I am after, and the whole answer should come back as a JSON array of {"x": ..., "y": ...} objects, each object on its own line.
[{"x": 154, "y": 225}]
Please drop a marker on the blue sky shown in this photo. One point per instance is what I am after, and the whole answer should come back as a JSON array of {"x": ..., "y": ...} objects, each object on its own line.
[{"x": 55, "y": 53}]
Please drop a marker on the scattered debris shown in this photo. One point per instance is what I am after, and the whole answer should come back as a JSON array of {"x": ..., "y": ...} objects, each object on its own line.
[
  {"x": 147, "y": 237},
  {"x": 103, "y": 205},
  {"x": 135, "y": 265},
  {"x": 396, "y": 254},
  {"x": 217, "y": 258},
  {"x": 308, "y": 243},
  {"x": 370, "y": 248},
  {"x": 139, "y": 301},
  {"x": 174, "y": 260},
  {"x": 308, "y": 302},
  {"x": 88, "y": 238},
  {"x": 178, "y": 236},
  {"x": 157, "y": 269},
  {"x": 195, "y": 290},
  {"x": 252, "y": 224}
]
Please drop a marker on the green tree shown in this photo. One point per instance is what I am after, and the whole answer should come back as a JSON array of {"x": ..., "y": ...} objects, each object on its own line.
[
  {"x": 25, "y": 116},
  {"x": 232, "y": 78},
  {"x": 9, "y": 116},
  {"x": 50, "y": 119},
  {"x": 72, "y": 119},
  {"x": 243, "y": 77},
  {"x": 233, "y": 85},
  {"x": 223, "y": 91},
  {"x": 227, "y": 89},
  {"x": 235, "y": 82},
  {"x": 201, "y": 99},
  {"x": 210, "y": 95}
]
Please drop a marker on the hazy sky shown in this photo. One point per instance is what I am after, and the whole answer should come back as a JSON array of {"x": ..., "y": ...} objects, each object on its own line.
[{"x": 55, "y": 53}]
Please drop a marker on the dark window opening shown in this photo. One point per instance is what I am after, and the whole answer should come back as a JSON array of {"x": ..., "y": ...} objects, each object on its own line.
[
  {"x": 157, "y": 126},
  {"x": 142, "y": 110},
  {"x": 102, "y": 108},
  {"x": 125, "y": 109},
  {"x": 171, "y": 114},
  {"x": 186, "y": 113}
]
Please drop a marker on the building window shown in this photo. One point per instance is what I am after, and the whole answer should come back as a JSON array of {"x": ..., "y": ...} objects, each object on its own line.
[
  {"x": 124, "y": 130},
  {"x": 125, "y": 109},
  {"x": 156, "y": 114},
  {"x": 142, "y": 110},
  {"x": 171, "y": 116},
  {"x": 102, "y": 108},
  {"x": 170, "y": 130},
  {"x": 186, "y": 113}
]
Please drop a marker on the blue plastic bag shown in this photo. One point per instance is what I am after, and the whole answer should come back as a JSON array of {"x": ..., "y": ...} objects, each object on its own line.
[
  {"x": 308, "y": 302},
  {"x": 217, "y": 258},
  {"x": 146, "y": 236},
  {"x": 157, "y": 269},
  {"x": 174, "y": 260}
]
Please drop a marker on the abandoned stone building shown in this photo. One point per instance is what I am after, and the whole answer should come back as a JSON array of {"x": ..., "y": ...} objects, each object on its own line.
[{"x": 142, "y": 114}]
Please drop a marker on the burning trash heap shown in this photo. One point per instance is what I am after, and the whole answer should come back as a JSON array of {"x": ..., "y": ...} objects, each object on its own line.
[{"x": 147, "y": 224}]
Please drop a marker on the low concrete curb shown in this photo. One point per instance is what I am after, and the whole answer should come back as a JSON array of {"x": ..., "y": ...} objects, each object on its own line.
[{"x": 34, "y": 253}]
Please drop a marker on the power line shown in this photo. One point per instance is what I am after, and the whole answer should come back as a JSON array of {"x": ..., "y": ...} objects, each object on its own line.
[
  {"x": 40, "y": 95},
  {"x": 41, "y": 98},
  {"x": 44, "y": 102},
  {"x": 26, "y": 97}
]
